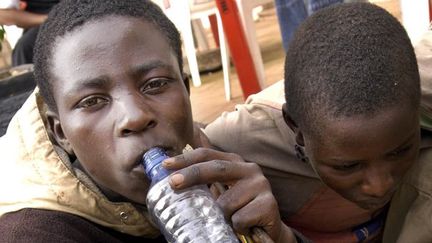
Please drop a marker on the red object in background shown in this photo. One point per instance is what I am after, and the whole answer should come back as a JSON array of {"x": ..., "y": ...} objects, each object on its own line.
[
  {"x": 238, "y": 45},
  {"x": 22, "y": 5},
  {"x": 430, "y": 11},
  {"x": 214, "y": 28}
]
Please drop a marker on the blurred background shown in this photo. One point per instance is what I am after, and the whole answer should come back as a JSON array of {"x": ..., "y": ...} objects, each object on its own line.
[{"x": 218, "y": 76}]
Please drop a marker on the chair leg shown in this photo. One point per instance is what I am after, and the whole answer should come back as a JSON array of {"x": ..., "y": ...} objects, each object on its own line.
[
  {"x": 200, "y": 37},
  {"x": 245, "y": 8},
  {"x": 191, "y": 55},
  {"x": 224, "y": 58},
  {"x": 180, "y": 14}
]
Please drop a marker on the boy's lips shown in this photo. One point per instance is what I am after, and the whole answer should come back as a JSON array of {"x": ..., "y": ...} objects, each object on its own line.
[
  {"x": 139, "y": 158},
  {"x": 376, "y": 203}
]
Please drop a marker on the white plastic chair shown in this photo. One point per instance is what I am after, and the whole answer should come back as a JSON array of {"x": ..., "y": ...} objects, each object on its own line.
[
  {"x": 245, "y": 8},
  {"x": 181, "y": 13}
]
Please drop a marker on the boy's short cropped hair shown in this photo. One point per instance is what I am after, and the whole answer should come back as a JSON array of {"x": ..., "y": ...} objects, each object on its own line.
[
  {"x": 347, "y": 60},
  {"x": 71, "y": 14}
]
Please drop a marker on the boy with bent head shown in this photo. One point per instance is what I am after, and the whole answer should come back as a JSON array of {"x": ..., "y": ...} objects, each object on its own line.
[
  {"x": 338, "y": 142},
  {"x": 111, "y": 75}
]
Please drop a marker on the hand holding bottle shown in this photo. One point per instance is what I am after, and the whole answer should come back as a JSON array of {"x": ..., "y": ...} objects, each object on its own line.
[
  {"x": 248, "y": 202},
  {"x": 183, "y": 216}
]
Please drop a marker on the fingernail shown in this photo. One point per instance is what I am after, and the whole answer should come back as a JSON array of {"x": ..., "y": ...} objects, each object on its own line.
[
  {"x": 176, "y": 179},
  {"x": 168, "y": 162}
]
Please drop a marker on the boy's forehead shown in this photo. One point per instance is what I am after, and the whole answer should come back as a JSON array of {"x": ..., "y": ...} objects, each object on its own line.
[
  {"x": 107, "y": 45},
  {"x": 373, "y": 126},
  {"x": 109, "y": 29},
  {"x": 99, "y": 36}
]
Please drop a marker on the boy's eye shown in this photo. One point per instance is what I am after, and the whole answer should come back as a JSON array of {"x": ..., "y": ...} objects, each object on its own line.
[
  {"x": 400, "y": 152},
  {"x": 91, "y": 102},
  {"x": 347, "y": 167},
  {"x": 154, "y": 85}
]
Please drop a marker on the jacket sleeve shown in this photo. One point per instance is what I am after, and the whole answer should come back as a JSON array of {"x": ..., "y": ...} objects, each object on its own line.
[{"x": 410, "y": 215}]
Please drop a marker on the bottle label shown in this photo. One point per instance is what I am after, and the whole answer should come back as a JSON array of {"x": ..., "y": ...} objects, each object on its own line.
[
  {"x": 152, "y": 161},
  {"x": 158, "y": 173}
]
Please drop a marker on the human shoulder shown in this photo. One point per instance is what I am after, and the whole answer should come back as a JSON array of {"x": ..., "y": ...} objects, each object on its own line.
[
  {"x": 260, "y": 117},
  {"x": 272, "y": 96},
  {"x": 258, "y": 112},
  {"x": 410, "y": 213},
  {"x": 420, "y": 175}
]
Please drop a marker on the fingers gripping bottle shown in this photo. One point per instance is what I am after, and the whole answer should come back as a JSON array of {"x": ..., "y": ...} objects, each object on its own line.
[{"x": 189, "y": 215}]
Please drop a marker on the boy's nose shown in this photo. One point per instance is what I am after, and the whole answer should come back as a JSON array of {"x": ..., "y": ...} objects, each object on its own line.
[
  {"x": 134, "y": 116},
  {"x": 377, "y": 183}
]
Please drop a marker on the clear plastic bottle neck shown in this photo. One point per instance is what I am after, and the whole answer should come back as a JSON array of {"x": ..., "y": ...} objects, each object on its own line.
[{"x": 152, "y": 161}]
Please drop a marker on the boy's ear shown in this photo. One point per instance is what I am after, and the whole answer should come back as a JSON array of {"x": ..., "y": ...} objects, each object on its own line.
[
  {"x": 56, "y": 130},
  {"x": 292, "y": 125}
]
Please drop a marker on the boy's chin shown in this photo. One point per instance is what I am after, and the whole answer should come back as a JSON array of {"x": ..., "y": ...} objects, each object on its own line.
[
  {"x": 138, "y": 199},
  {"x": 373, "y": 206},
  {"x": 137, "y": 202}
]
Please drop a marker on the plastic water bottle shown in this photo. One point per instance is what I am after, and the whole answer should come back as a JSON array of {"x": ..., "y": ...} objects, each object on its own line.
[{"x": 189, "y": 215}]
